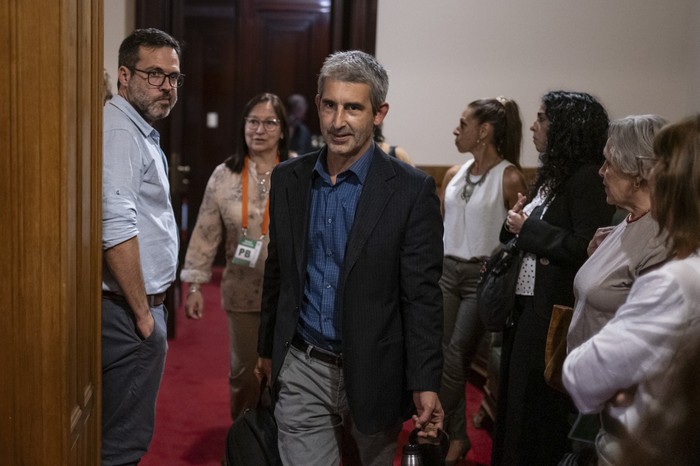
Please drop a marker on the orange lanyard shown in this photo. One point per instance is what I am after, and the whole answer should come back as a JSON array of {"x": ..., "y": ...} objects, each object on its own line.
[{"x": 244, "y": 202}]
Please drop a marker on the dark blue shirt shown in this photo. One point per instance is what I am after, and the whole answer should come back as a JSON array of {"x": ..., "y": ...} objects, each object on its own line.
[{"x": 330, "y": 221}]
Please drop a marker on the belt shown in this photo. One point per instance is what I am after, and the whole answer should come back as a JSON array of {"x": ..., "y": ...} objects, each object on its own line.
[
  {"x": 154, "y": 300},
  {"x": 321, "y": 355},
  {"x": 473, "y": 260}
]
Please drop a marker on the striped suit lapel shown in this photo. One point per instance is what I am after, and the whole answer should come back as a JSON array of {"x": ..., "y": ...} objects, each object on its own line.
[
  {"x": 298, "y": 195},
  {"x": 371, "y": 205}
]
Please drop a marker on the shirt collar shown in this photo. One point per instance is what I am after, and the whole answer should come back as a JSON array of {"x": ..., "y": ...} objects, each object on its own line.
[
  {"x": 122, "y": 104},
  {"x": 360, "y": 168}
]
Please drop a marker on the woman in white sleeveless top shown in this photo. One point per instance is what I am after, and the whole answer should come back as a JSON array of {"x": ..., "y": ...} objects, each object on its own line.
[{"x": 477, "y": 196}]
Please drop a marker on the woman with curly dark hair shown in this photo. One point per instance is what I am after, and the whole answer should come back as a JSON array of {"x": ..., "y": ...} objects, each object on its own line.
[{"x": 567, "y": 205}]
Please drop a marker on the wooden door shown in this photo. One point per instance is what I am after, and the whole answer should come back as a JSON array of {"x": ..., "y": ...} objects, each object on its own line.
[
  {"x": 50, "y": 231},
  {"x": 235, "y": 49}
]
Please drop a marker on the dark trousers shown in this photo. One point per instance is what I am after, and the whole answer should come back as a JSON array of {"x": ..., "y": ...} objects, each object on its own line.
[
  {"x": 132, "y": 369},
  {"x": 533, "y": 419}
]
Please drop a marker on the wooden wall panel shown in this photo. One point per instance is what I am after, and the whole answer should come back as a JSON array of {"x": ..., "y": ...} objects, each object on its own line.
[
  {"x": 438, "y": 173},
  {"x": 50, "y": 253},
  {"x": 234, "y": 49},
  {"x": 292, "y": 41},
  {"x": 8, "y": 251},
  {"x": 355, "y": 25}
]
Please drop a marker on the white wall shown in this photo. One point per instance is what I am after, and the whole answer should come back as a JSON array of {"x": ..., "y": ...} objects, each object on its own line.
[
  {"x": 695, "y": 59},
  {"x": 636, "y": 56},
  {"x": 118, "y": 23}
]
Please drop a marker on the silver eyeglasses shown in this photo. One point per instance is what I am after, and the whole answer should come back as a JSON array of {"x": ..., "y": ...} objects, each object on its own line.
[
  {"x": 269, "y": 125},
  {"x": 645, "y": 157},
  {"x": 157, "y": 78}
]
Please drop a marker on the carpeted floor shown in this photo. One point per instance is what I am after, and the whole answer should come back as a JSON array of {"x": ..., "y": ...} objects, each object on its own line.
[{"x": 192, "y": 412}]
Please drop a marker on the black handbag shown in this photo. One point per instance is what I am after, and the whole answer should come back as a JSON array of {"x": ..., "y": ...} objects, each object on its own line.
[
  {"x": 252, "y": 438},
  {"x": 495, "y": 291}
]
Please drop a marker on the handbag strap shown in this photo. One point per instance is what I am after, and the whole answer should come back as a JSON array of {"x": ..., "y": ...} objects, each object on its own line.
[
  {"x": 538, "y": 212},
  {"x": 265, "y": 389}
]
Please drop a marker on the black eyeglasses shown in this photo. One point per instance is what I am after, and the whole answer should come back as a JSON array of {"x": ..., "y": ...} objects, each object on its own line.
[
  {"x": 269, "y": 125},
  {"x": 157, "y": 78}
]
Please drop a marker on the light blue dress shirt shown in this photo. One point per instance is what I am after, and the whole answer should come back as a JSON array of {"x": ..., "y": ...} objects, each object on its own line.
[{"x": 136, "y": 196}]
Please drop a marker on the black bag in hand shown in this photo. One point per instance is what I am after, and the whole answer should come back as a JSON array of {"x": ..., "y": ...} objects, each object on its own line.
[
  {"x": 252, "y": 439},
  {"x": 424, "y": 451},
  {"x": 495, "y": 292}
]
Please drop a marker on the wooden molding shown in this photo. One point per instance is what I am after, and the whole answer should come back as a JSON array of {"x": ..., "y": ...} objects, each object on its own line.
[{"x": 438, "y": 173}]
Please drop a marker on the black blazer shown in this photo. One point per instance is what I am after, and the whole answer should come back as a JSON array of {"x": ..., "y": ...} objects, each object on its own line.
[
  {"x": 560, "y": 239},
  {"x": 388, "y": 292}
]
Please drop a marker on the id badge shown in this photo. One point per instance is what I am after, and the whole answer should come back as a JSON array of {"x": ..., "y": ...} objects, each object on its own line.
[{"x": 247, "y": 252}]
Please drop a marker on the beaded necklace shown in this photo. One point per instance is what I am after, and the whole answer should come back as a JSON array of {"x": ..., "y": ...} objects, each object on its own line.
[{"x": 470, "y": 185}]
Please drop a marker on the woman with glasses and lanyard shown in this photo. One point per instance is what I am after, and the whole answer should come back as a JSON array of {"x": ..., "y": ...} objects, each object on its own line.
[{"x": 236, "y": 202}]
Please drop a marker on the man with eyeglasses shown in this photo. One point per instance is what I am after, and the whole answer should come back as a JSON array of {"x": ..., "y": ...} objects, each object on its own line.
[{"x": 139, "y": 242}]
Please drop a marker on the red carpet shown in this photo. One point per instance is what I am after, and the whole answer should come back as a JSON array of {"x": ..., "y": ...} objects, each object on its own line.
[{"x": 192, "y": 412}]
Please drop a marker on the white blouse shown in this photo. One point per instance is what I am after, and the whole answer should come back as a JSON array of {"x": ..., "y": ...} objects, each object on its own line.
[
  {"x": 471, "y": 228},
  {"x": 525, "y": 286},
  {"x": 637, "y": 345}
]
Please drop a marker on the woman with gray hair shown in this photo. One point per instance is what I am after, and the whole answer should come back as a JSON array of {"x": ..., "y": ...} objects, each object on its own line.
[
  {"x": 622, "y": 370},
  {"x": 619, "y": 254}
]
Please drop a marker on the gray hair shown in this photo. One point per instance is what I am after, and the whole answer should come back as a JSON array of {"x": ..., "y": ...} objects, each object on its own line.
[
  {"x": 355, "y": 66},
  {"x": 632, "y": 143}
]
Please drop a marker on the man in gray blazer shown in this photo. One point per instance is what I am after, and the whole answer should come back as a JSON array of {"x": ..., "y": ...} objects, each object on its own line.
[{"x": 351, "y": 322}]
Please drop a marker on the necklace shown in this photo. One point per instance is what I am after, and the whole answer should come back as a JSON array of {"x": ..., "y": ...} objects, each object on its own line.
[
  {"x": 262, "y": 179},
  {"x": 470, "y": 185},
  {"x": 263, "y": 184},
  {"x": 631, "y": 219}
]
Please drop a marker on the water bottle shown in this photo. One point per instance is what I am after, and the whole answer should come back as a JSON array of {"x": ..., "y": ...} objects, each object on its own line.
[
  {"x": 427, "y": 451},
  {"x": 412, "y": 455}
]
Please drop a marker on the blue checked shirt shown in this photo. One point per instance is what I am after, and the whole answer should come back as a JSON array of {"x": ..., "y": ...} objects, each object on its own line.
[{"x": 330, "y": 221}]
